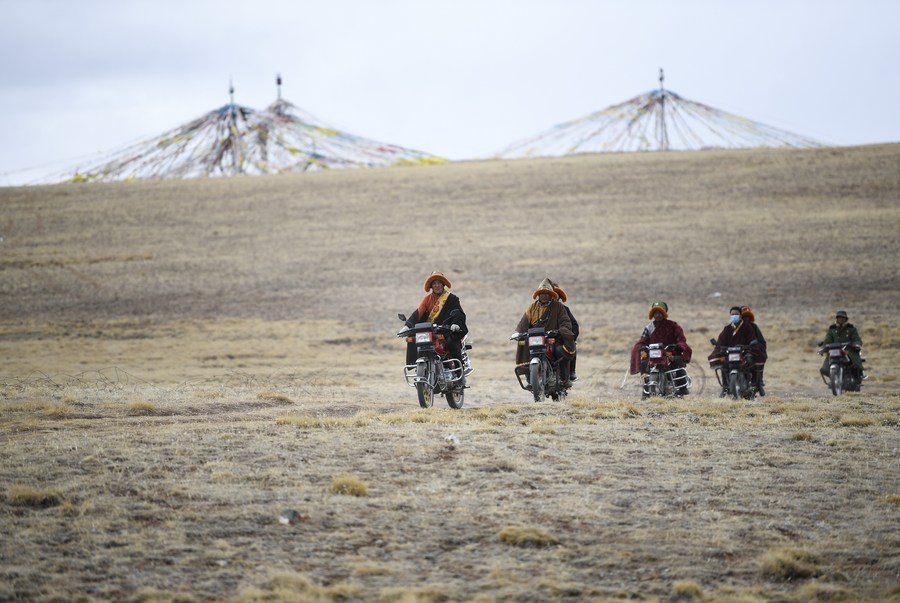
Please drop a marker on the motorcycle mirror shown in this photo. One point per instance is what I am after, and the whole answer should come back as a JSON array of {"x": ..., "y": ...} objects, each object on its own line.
[
  {"x": 402, "y": 317},
  {"x": 712, "y": 341}
]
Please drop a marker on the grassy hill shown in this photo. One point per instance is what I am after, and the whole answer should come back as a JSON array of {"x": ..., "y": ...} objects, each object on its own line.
[{"x": 183, "y": 361}]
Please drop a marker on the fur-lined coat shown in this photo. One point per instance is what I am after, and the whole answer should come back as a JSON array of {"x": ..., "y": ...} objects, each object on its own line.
[
  {"x": 552, "y": 318},
  {"x": 663, "y": 331}
]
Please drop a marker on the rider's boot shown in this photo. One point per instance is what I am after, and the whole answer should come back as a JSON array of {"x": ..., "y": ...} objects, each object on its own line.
[{"x": 760, "y": 384}]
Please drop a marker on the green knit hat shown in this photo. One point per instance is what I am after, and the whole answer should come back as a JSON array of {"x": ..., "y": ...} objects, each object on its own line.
[{"x": 661, "y": 306}]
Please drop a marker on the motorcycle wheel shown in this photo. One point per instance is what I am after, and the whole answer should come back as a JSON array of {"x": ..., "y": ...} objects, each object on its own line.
[
  {"x": 455, "y": 398},
  {"x": 836, "y": 374},
  {"x": 537, "y": 381},
  {"x": 749, "y": 391},
  {"x": 666, "y": 385},
  {"x": 653, "y": 388},
  {"x": 735, "y": 385},
  {"x": 424, "y": 387}
]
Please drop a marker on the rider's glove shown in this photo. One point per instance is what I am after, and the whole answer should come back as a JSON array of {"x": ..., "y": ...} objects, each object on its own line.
[{"x": 454, "y": 328}]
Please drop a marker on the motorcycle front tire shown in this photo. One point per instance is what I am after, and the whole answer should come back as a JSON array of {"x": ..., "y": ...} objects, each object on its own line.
[
  {"x": 537, "y": 381},
  {"x": 736, "y": 385},
  {"x": 836, "y": 376},
  {"x": 653, "y": 384},
  {"x": 424, "y": 386}
]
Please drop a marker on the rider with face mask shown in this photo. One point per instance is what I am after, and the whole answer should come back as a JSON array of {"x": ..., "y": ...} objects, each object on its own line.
[
  {"x": 739, "y": 331},
  {"x": 547, "y": 312}
]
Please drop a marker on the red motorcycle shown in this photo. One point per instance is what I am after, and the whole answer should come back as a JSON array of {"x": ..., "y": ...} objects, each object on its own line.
[
  {"x": 435, "y": 371},
  {"x": 542, "y": 373},
  {"x": 664, "y": 371}
]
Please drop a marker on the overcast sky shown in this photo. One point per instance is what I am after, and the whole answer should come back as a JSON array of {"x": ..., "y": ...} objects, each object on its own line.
[{"x": 457, "y": 78}]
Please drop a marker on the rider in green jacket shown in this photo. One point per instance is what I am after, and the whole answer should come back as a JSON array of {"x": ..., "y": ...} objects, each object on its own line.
[{"x": 844, "y": 332}]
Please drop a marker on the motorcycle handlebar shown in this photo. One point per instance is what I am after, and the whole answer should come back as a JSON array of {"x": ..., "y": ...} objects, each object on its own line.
[
  {"x": 436, "y": 327},
  {"x": 522, "y": 336}
]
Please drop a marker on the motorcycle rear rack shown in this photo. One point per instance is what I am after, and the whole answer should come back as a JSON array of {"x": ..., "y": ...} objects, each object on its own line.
[
  {"x": 521, "y": 370},
  {"x": 679, "y": 380}
]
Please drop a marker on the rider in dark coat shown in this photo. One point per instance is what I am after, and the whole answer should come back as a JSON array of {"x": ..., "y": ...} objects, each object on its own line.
[
  {"x": 659, "y": 330},
  {"x": 563, "y": 298},
  {"x": 547, "y": 312},
  {"x": 739, "y": 331},
  {"x": 440, "y": 307}
]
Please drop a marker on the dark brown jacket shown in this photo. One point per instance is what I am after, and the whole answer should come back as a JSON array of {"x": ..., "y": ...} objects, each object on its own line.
[{"x": 553, "y": 318}]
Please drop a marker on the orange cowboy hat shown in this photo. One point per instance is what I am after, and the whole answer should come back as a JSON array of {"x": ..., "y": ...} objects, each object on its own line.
[
  {"x": 559, "y": 292},
  {"x": 546, "y": 286},
  {"x": 437, "y": 276}
]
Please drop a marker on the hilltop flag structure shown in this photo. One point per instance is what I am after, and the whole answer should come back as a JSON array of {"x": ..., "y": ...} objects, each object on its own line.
[
  {"x": 234, "y": 140},
  {"x": 659, "y": 120}
]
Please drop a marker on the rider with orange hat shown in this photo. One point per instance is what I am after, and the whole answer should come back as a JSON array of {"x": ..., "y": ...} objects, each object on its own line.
[
  {"x": 546, "y": 311},
  {"x": 659, "y": 330},
  {"x": 441, "y": 307}
]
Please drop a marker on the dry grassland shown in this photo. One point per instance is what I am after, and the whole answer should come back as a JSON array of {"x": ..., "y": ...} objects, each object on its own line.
[{"x": 201, "y": 396}]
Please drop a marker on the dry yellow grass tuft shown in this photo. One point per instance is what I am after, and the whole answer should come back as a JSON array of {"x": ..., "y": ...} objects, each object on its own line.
[
  {"x": 893, "y": 499},
  {"x": 57, "y": 410},
  {"x": 820, "y": 592},
  {"x": 26, "y": 496},
  {"x": 802, "y": 436},
  {"x": 856, "y": 420},
  {"x": 349, "y": 485},
  {"x": 153, "y": 595},
  {"x": 418, "y": 594},
  {"x": 141, "y": 407},
  {"x": 789, "y": 564},
  {"x": 271, "y": 396},
  {"x": 527, "y": 537},
  {"x": 289, "y": 587},
  {"x": 686, "y": 590}
]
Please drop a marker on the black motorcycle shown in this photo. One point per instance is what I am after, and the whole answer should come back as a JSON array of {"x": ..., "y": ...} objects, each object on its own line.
[
  {"x": 842, "y": 375},
  {"x": 735, "y": 369},
  {"x": 435, "y": 371},
  {"x": 542, "y": 373}
]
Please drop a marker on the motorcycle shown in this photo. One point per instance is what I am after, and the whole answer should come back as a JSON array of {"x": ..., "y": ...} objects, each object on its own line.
[
  {"x": 737, "y": 363},
  {"x": 664, "y": 375},
  {"x": 542, "y": 373},
  {"x": 435, "y": 371},
  {"x": 842, "y": 375}
]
